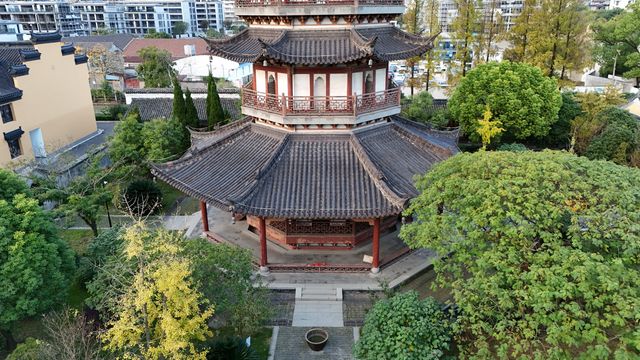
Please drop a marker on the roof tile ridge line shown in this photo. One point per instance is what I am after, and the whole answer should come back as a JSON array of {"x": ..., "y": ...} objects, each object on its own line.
[
  {"x": 194, "y": 154},
  {"x": 271, "y": 46},
  {"x": 416, "y": 38},
  {"x": 231, "y": 126},
  {"x": 376, "y": 175},
  {"x": 414, "y": 137},
  {"x": 260, "y": 174},
  {"x": 452, "y": 134},
  {"x": 157, "y": 172},
  {"x": 361, "y": 42},
  {"x": 224, "y": 40}
]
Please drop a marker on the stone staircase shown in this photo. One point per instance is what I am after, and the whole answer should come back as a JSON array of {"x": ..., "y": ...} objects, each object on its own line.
[{"x": 318, "y": 306}]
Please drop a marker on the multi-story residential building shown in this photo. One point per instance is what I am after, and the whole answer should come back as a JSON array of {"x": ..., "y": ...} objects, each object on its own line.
[
  {"x": 508, "y": 9},
  {"x": 12, "y": 31},
  {"x": 85, "y": 17},
  {"x": 45, "y": 102},
  {"x": 608, "y": 4},
  {"x": 141, "y": 16},
  {"x": 43, "y": 16}
]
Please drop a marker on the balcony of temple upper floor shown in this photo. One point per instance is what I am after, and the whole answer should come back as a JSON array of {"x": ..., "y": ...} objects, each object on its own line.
[
  {"x": 325, "y": 11},
  {"x": 321, "y": 97}
]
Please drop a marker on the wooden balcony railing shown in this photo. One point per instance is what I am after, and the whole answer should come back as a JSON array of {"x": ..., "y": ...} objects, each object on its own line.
[
  {"x": 321, "y": 105},
  {"x": 256, "y": 3}
]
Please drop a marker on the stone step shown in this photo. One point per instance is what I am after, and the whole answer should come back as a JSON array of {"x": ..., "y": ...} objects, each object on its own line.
[{"x": 319, "y": 293}]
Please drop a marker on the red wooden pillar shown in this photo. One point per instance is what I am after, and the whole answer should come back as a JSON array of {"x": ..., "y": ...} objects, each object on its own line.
[
  {"x": 375, "y": 264},
  {"x": 205, "y": 216},
  {"x": 262, "y": 229}
]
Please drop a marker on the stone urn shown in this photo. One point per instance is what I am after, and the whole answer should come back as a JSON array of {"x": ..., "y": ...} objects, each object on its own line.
[{"x": 316, "y": 339}]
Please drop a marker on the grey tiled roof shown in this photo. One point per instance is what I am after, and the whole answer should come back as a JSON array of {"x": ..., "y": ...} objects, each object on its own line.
[
  {"x": 258, "y": 170},
  {"x": 202, "y": 90},
  {"x": 118, "y": 40},
  {"x": 9, "y": 57},
  {"x": 157, "y": 108},
  {"x": 315, "y": 47}
]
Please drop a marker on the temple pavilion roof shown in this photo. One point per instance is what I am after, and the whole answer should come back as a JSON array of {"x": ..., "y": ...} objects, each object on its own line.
[
  {"x": 260, "y": 170},
  {"x": 320, "y": 47}
]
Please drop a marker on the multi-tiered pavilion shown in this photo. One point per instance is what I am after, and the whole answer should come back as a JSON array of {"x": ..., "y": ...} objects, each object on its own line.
[{"x": 322, "y": 159}]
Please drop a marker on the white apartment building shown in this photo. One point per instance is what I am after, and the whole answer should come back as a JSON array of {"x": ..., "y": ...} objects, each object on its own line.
[
  {"x": 11, "y": 31},
  {"x": 136, "y": 17},
  {"x": 608, "y": 4},
  {"x": 508, "y": 9},
  {"x": 43, "y": 16}
]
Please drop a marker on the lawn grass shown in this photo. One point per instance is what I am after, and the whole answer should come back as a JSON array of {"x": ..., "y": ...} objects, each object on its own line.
[
  {"x": 174, "y": 202},
  {"x": 77, "y": 239},
  {"x": 260, "y": 342}
]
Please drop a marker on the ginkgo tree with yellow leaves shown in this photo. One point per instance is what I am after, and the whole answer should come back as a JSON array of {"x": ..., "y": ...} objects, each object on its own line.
[
  {"x": 488, "y": 129},
  {"x": 161, "y": 314}
]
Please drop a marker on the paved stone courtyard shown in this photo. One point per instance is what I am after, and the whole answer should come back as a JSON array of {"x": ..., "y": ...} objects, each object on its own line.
[
  {"x": 291, "y": 345},
  {"x": 355, "y": 305}
]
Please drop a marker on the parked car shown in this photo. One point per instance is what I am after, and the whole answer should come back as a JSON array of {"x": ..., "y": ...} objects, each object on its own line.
[{"x": 399, "y": 79}]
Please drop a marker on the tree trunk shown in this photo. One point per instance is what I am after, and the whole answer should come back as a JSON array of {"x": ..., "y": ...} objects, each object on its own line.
[
  {"x": 413, "y": 74},
  {"x": 554, "y": 51},
  {"x": 566, "y": 47},
  {"x": 426, "y": 88},
  {"x": 9, "y": 340},
  {"x": 466, "y": 42}
]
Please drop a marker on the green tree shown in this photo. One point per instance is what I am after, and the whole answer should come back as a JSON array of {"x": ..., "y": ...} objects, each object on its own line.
[
  {"x": 489, "y": 31},
  {"x": 83, "y": 197},
  {"x": 432, "y": 24},
  {"x": 586, "y": 125},
  {"x": 161, "y": 314},
  {"x": 30, "y": 349},
  {"x": 153, "y": 34},
  {"x": 420, "y": 108},
  {"x": 412, "y": 21},
  {"x": 560, "y": 134},
  {"x": 204, "y": 25},
  {"x": 404, "y": 327},
  {"x": 215, "y": 112},
  {"x": 521, "y": 33},
  {"x": 519, "y": 96},
  {"x": 617, "y": 41},
  {"x": 156, "y": 68},
  {"x": 164, "y": 139},
  {"x": 35, "y": 264},
  {"x": 225, "y": 277},
  {"x": 465, "y": 25},
  {"x": 618, "y": 138},
  {"x": 180, "y": 27},
  {"x": 542, "y": 256},
  {"x": 11, "y": 185},
  {"x": 214, "y": 34},
  {"x": 126, "y": 147},
  {"x": 559, "y": 41},
  {"x": 191, "y": 113},
  {"x": 179, "y": 108}
]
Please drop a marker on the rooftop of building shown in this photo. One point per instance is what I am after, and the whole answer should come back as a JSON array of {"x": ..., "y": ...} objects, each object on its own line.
[
  {"x": 120, "y": 41},
  {"x": 320, "y": 47},
  {"x": 162, "y": 108},
  {"x": 176, "y": 47},
  {"x": 256, "y": 169}
]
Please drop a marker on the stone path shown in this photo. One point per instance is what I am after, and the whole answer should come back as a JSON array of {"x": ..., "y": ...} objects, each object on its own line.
[
  {"x": 392, "y": 275},
  {"x": 290, "y": 344},
  {"x": 318, "y": 307}
]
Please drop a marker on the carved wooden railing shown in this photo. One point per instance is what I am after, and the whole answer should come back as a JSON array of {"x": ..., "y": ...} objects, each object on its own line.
[
  {"x": 256, "y": 3},
  {"x": 321, "y": 105}
]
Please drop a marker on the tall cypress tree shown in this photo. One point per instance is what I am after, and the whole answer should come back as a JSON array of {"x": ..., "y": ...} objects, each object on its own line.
[
  {"x": 215, "y": 112},
  {"x": 179, "y": 110},
  {"x": 191, "y": 113}
]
